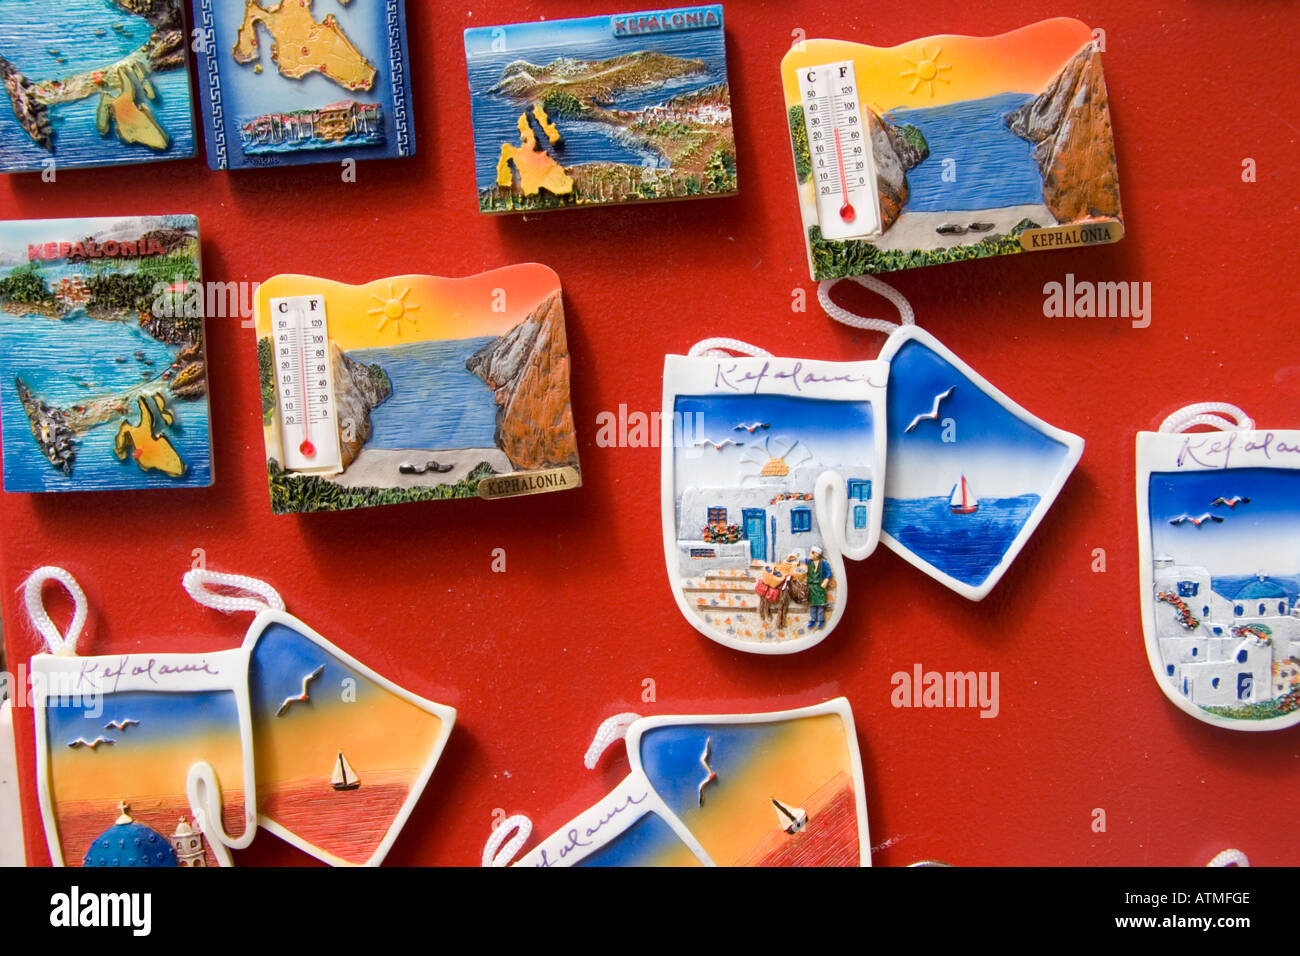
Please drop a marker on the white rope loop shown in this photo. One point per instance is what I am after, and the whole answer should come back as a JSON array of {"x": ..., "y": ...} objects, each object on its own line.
[
  {"x": 840, "y": 314},
  {"x": 720, "y": 347},
  {"x": 611, "y": 731},
  {"x": 56, "y": 642},
  {"x": 1208, "y": 413},
  {"x": 200, "y": 582},
  {"x": 502, "y": 848},
  {"x": 1230, "y": 858}
]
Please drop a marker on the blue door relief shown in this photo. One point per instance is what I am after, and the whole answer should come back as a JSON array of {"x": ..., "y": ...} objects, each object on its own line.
[
  {"x": 756, "y": 531},
  {"x": 1245, "y": 684}
]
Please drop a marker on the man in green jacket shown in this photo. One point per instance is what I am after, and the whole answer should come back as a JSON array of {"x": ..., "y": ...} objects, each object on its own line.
[{"x": 819, "y": 580}]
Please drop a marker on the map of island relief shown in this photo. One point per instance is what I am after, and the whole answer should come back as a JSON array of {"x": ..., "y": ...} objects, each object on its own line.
[
  {"x": 93, "y": 83},
  {"x": 414, "y": 388},
  {"x": 949, "y": 148},
  {"x": 299, "y": 80},
  {"x": 601, "y": 110},
  {"x": 103, "y": 371}
]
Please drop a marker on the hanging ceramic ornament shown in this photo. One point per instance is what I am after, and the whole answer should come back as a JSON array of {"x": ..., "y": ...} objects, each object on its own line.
[
  {"x": 971, "y": 473},
  {"x": 342, "y": 753},
  {"x": 775, "y": 789},
  {"x": 1218, "y": 526},
  {"x": 771, "y": 473},
  {"x": 141, "y": 759}
]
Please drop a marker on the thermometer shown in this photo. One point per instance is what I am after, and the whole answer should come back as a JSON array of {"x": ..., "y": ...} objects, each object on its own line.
[
  {"x": 309, "y": 433},
  {"x": 844, "y": 176}
]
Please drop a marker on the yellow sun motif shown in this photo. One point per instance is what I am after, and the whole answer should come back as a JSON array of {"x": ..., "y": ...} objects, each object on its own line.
[
  {"x": 925, "y": 70},
  {"x": 393, "y": 309}
]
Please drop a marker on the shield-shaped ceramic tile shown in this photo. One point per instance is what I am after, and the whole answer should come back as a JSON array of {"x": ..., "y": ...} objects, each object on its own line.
[
  {"x": 144, "y": 759},
  {"x": 1219, "y": 538},
  {"x": 971, "y": 473},
  {"x": 771, "y": 476},
  {"x": 773, "y": 789},
  {"x": 342, "y": 753}
]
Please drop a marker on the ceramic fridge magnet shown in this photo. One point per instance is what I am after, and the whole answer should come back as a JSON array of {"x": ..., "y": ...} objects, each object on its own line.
[
  {"x": 286, "y": 83},
  {"x": 342, "y": 753},
  {"x": 971, "y": 473},
  {"x": 951, "y": 147},
  {"x": 771, "y": 471},
  {"x": 1218, "y": 527},
  {"x": 414, "y": 388},
  {"x": 773, "y": 789},
  {"x": 93, "y": 83},
  {"x": 601, "y": 110},
  {"x": 103, "y": 382},
  {"x": 142, "y": 759}
]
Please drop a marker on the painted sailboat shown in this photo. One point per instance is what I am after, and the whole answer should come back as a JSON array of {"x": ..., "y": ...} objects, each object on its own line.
[
  {"x": 963, "y": 502},
  {"x": 344, "y": 777},
  {"x": 793, "y": 819}
]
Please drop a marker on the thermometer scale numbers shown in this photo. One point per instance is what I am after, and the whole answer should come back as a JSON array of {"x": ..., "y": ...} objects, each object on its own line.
[
  {"x": 839, "y": 144},
  {"x": 304, "y": 384}
]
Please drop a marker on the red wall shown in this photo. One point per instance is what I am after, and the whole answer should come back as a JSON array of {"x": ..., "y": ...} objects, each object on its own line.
[{"x": 536, "y": 657}]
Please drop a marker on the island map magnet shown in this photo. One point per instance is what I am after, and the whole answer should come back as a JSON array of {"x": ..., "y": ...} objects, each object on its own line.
[{"x": 601, "y": 110}]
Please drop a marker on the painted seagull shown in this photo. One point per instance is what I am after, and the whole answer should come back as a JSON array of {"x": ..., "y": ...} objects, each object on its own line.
[
  {"x": 704, "y": 762},
  {"x": 751, "y": 427},
  {"x": 933, "y": 414},
  {"x": 92, "y": 744},
  {"x": 121, "y": 724},
  {"x": 718, "y": 445},
  {"x": 1184, "y": 519},
  {"x": 300, "y": 698},
  {"x": 1230, "y": 502}
]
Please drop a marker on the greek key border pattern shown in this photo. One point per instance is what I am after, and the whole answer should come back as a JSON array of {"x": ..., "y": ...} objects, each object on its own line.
[
  {"x": 397, "y": 70},
  {"x": 217, "y": 124}
]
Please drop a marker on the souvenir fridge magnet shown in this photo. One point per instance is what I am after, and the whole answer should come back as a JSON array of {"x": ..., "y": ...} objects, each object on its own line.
[
  {"x": 771, "y": 471},
  {"x": 970, "y": 473},
  {"x": 773, "y": 789},
  {"x": 93, "y": 83},
  {"x": 342, "y": 753},
  {"x": 141, "y": 759},
  {"x": 951, "y": 147},
  {"x": 1218, "y": 527},
  {"x": 286, "y": 83},
  {"x": 415, "y": 388},
  {"x": 103, "y": 374},
  {"x": 601, "y": 110}
]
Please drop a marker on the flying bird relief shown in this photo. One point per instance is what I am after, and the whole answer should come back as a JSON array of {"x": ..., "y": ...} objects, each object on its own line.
[
  {"x": 704, "y": 762},
  {"x": 933, "y": 414},
  {"x": 92, "y": 744},
  {"x": 121, "y": 724},
  {"x": 751, "y": 427},
  {"x": 1230, "y": 502},
  {"x": 717, "y": 445},
  {"x": 303, "y": 697},
  {"x": 1198, "y": 521}
]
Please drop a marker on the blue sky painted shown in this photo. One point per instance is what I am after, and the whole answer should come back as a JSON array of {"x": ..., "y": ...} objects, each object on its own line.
[
  {"x": 557, "y": 33},
  {"x": 1000, "y": 455},
  {"x": 282, "y": 658},
  {"x": 1263, "y": 535},
  {"x": 163, "y": 718},
  {"x": 671, "y": 758},
  {"x": 834, "y": 433}
]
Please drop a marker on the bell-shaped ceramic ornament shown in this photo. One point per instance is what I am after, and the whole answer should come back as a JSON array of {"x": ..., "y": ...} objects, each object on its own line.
[
  {"x": 771, "y": 476},
  {"x": 774, "y": 789},
  {"x": 342, "y": 753},
  {"x": 142, "y": 760},
  {"x": 971, "y": 473},
  {"x": 1219, "y": 540}
]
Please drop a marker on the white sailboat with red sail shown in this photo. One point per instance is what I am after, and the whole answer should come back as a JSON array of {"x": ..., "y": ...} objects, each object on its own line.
[{"x": 963, "y": 501}]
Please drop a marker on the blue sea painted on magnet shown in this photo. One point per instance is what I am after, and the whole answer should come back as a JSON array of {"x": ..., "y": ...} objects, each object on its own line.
[
  {"x": 107, "y": 85},
  {"x": 965, "y": 475},
  {"x": 997, "y": 167},
  {"x": 103, "y": 379},
  {"x": 286, "y": 84},
  {"x": 436, "y": 402}
]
